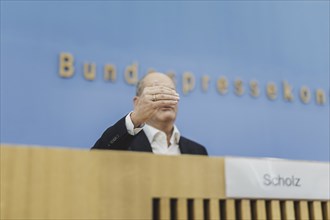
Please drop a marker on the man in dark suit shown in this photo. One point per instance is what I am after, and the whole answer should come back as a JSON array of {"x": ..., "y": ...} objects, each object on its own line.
[{"x": 150, "y": 126}]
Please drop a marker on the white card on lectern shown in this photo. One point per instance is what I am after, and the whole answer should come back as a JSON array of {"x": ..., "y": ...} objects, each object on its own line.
[{"x": 277, "y": 178}]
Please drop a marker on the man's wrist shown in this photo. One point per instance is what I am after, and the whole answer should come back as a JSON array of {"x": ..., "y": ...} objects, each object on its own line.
[
  {"x": 131, "y": 129},
  {"x": 136, "y": 123}
]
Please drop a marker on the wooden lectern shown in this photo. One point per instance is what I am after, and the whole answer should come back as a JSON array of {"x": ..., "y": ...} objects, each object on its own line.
[{"x": 57, "y": 183}]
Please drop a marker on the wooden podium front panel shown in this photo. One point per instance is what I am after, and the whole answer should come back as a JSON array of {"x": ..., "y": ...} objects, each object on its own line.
[
  {"x": 55, "y": 183},
  {"x": 45, "y": 183}
]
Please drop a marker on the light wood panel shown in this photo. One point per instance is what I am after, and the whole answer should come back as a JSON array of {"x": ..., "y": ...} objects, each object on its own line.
[
  {"x": 164, "y": 209},
  {"x": 274, "y": 211},
  {"x": 44, "y": 183},
  {"x": 302, "y": 210},
  {"x": 326, "y": 210},
  {"x": 260, "y": 210},
  {"x": 182, "y": 209},
  {"x": 198, "y": 209},
  {"x": 316, "y": 210},
  {"x": 288, "y": 210},
  {"x": 230, "y": 210},
  {"x": 245, "y": 209},
  {"x": 214, "y": 209}
]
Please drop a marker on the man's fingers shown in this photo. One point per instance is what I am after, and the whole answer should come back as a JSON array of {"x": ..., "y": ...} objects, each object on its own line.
[
  {"x": 165, "y": 103},
  {"x": 160, "y": 90},
  {"x": 160, "y": 93},
  {"x": 162, "y": 96}
]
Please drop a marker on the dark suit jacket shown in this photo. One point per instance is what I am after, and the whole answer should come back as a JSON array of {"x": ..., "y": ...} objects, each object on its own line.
[{"x": 116, "y": 137}]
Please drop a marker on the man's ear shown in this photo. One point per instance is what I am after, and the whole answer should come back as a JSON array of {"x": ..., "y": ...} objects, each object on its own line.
[{"x": 135, "y": 100}]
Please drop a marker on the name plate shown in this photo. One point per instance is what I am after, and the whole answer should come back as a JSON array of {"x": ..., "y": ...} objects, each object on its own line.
[{"x": 276, "y": 178}]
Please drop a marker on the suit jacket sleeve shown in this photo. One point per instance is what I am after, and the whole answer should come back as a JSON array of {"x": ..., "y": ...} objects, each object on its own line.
[{"x": 115, "y": 137}]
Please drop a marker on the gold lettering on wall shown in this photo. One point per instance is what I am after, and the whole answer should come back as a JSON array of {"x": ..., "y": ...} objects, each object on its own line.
[
  {"x": 254, "y": 88},
  {"x": 205, "y": 82},
  {"x": 271, "y": 91},
  {"x": 222, "y": 85},
  {"x": 66, "y": 68},
  {"x": 320, "y": 97},
  {"x": 305, "y": 94},
  {"x": 110, "y": 73},
  {"x": 188, "y": 82},
  {"x": 131, "y": 74},
  {"x": 239, "y": 89},
  {"x": 287, "y": 91},
  {"x": 89, "y": 71}
]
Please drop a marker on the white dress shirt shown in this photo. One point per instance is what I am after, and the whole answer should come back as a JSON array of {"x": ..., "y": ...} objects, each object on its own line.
[{"x": 157, "y": 138}]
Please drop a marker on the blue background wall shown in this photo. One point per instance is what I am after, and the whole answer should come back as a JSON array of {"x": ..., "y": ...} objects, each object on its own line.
[{"x": 267, "y": 41}]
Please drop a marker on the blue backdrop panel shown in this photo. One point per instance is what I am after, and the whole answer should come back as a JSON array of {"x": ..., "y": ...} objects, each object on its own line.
[{"x": 269, "y": 41}]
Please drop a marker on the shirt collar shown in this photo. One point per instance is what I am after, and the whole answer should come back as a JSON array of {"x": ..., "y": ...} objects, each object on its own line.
[{"x": 151, "y": 132}]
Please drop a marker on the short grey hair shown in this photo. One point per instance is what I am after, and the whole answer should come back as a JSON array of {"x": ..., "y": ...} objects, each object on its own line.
[{"x": 140, "y": 83}]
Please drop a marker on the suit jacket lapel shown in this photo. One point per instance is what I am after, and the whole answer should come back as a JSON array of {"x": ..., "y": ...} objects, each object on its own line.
[
  {"x": 183, "y": 147},
  {"x": 141, "y": 143}
]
